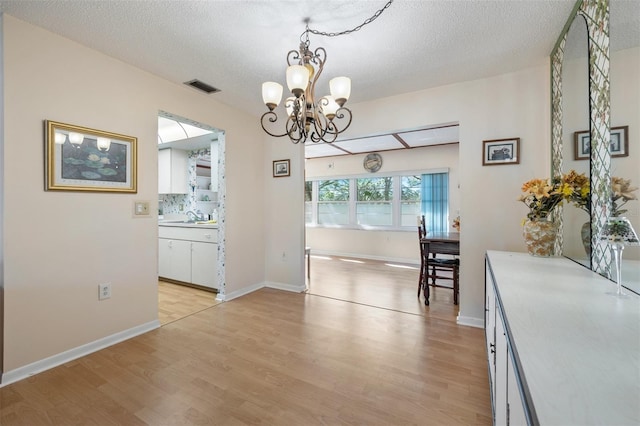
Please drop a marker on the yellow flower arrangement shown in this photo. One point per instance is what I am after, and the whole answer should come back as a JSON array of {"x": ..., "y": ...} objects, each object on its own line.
[
  {"x": 621, "y": 192},
  {"x": 580, "y": 195},
  {"x": 541, "y": 196}
]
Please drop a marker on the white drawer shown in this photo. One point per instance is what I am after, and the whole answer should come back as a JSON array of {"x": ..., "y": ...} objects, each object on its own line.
[{"x": 205, "y": 235}]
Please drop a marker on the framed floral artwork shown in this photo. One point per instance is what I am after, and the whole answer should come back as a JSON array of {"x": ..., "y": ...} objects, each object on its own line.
[{"x": 83, "y": 159}]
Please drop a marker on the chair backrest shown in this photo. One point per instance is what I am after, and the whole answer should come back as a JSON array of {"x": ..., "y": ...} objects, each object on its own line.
[{"x": 422, "y": 230}]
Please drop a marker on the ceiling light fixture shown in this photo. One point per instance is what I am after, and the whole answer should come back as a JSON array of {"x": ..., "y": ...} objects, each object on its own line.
[{"x": 322, "y": 120}]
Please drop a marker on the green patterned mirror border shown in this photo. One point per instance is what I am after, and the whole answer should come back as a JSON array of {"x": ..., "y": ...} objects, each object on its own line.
[{"x": 596, "y": 14}]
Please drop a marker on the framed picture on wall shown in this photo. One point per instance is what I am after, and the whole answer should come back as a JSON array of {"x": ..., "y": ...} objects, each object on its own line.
[
  {"x": 281, "y": 168},
  {"x": 83, "y": 159},
  {"x": 619, "y": 146},
  {"x": 501, "y": 151}
]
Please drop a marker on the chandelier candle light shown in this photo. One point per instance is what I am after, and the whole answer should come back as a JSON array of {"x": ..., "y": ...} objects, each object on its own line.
[{"x": 320, "y": 120}]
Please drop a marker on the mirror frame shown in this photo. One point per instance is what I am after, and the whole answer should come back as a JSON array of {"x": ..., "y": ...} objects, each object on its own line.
[{"x": 596, "y": 14}]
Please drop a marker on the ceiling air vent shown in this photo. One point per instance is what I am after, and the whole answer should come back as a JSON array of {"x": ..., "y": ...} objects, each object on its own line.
[{"x": 201, "y": 86}]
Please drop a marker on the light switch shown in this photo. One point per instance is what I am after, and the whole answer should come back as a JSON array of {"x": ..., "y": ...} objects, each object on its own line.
[{"x": 141, "y": 208}]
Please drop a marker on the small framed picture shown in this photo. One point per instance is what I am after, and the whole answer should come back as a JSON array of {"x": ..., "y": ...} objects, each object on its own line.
[
  {"x": 619, "y": 146},
  {"x": 501, "y": 151},
  {"x": 281, "y": 168}
]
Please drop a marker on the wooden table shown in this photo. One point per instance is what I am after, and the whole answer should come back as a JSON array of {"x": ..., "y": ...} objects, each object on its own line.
[{"x": 442, "y": 243}]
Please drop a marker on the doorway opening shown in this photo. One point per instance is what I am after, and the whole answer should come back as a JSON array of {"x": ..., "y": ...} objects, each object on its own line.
[
  {"x": 191, "y": 203},
  {"x": 362, "y": 201}
]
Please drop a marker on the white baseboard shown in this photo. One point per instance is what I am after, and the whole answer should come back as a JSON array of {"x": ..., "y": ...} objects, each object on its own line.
[
  {"x": 239, "y": 293},
  {"x": 286, "y": 287},
  {"x": 365, "y": 256},
  {"x": 470, "y": 321},
  {"x": 75, "y": 353}
]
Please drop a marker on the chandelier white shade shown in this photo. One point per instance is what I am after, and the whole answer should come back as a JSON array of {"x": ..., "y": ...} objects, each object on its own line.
[
  {"x": 340, "y": 89},
  {"x": 271, "y": 94}
]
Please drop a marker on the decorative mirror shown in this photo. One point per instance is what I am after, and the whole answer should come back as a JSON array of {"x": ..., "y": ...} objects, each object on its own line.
[
  {"x": 611, "y": 142},
  {"x": 576, "y": 217},
  {"x": 595, "y": 15}
]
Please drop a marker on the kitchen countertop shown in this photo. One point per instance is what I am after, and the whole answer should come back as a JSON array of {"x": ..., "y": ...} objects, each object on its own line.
[{"x": 180, "y": 224}]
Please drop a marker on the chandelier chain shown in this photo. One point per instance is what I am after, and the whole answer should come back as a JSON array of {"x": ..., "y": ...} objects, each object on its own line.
[{"x": 335, "y": 34}]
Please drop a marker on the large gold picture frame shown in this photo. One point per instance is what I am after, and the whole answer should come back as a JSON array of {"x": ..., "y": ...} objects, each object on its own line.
[{"x": 83, "y": 159}]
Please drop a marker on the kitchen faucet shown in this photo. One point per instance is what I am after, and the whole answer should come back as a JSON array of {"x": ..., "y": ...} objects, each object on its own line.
[{"x": 195, "y": 215}]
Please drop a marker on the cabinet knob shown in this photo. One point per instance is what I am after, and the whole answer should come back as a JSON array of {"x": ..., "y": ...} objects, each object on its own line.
[{"x": 208, "y": 236}]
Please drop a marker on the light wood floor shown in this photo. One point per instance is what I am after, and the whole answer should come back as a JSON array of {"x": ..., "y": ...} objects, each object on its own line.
[
  {"x": 177, "y": 301},
  {"x": 387, "y": 285},
  {"x": 275, "y": 358}
]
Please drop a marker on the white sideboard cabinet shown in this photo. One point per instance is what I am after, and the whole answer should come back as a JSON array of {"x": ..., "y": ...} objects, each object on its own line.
[{"x": 561, "y": 349}]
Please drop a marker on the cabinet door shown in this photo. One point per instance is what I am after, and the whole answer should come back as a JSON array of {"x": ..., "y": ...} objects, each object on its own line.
[
  {"x": 490, "y": 332},
  {"x": 204, "y": 264},
  {"x": 500, "y": 382},
  {"x": 175, "y": 259},
  {"x": 517, "y": 416},
  {"x": 164, "y": 257},
  {"x": 172, "y": 171}
]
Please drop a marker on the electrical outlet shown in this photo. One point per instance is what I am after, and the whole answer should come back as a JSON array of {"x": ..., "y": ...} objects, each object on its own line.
[{"x": 104, "y": 291}]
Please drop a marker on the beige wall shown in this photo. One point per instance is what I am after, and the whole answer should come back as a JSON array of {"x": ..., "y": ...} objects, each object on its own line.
[{"x": 59, "y": 245}]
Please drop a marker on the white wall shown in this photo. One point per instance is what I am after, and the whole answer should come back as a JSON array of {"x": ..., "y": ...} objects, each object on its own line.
[
  {"x": 400, "y": 246},
  {"x": 510, "y": 105},
  {"x": 59, "y": 245}
]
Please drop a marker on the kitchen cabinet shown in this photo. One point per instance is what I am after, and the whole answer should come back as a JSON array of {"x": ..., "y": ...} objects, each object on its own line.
[
  {"x": 204, "y": 264},
  {"x": 188, "y": 254},
  {"x": 172, "y": 171},
  {"x": 174, "y": 259}
]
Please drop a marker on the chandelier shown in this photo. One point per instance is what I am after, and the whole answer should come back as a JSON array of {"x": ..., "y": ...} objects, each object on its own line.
[{"x": 320, "y": 120}]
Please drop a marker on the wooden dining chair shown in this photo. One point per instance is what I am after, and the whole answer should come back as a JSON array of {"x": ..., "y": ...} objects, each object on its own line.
[
  {"x": 441, "y": 269},
  {"x": 433, "y": 268},
  {"x": 422, "y": 233}
]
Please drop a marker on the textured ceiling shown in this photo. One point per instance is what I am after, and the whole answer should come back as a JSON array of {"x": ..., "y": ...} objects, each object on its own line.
[{"x": 236, "y": 45}]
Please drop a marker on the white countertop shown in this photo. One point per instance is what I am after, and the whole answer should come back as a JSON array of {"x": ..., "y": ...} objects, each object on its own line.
[
  {"x": 188, "y": 224},
  {"x": 578, "y": 347}
]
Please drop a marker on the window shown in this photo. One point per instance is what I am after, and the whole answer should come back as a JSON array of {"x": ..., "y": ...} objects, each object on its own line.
[
  {"x": 383, "y": 202},
  {"x": 308, "y": 202},
  {"x": 410, "y": 188},
  {"x": 374, "y": 204},
  {"x": 333, "y": 202}
]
